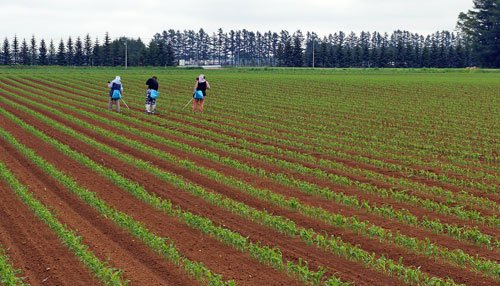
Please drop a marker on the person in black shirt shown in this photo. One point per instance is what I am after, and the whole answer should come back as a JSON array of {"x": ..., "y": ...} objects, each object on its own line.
[
  {"x": 152, "y": 87},
  {"x": 202, "y": 85}
]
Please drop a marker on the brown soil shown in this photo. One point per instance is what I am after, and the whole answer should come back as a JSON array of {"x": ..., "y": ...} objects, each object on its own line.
[{"x": 34, "y": 248}]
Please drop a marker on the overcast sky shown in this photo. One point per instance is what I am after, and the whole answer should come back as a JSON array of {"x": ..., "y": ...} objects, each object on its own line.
[{"x": 59, "y": 19}]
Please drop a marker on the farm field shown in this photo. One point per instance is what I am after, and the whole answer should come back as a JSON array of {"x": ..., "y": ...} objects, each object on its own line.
[{"x": 289, "y": 177}]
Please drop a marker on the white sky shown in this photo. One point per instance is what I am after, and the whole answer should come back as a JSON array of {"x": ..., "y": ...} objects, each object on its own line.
[{"x": 60, "y": 19}]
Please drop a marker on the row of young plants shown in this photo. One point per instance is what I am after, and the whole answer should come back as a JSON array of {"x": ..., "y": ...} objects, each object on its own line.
[
  {"x": 161, "y": 245},
  {"x": 271, "y": 256},
  {"x": 107, "y": 274},
  {"x": 463, "y": 232},
  {"x": 231, "y": 119},
  {"x": 278, "y": 198},
  {"x": 9, "y": 276},
  {"x": 332, "y": 243}
]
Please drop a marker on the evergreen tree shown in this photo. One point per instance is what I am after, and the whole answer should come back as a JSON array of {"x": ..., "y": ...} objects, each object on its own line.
[
  {"x": 52, "y": 53},
  {"x": 323, "y": 53},
  {"x": 482, "y": 26},
  {"x": 460, "y": 57},
  {"x": 297, "y": 58},
  {"x": 70, "y": 52},
  {"x": 153, "y": 58},
  {"x": 201, "y": 46},
  {"x": 79, "y": 58},
  {"x": 434, "y": 51},
  {"x": 61, "y": 54},
  {"x": 118, "y": 52},
  {"x": 169, "y": 55},
  {"x": 15, "y": 51},
  {"x": 7, "y": 60},
  {"x": 162, "y": 53},
  {"x": 221, "y": 46},
  {"x": 96, "y": 54},
  {"x": 274, "y": 48},
  {"x": 42, "y": 58},
  {"x": 285, "y": 50},
  {"x": 364, "y": 49},
  {"x": 33, "y": 51},
  {"x": 375, "y": 49},
  {"x": 87, "y": 51},
  {"x": 339, "y": 50},
  {"x": 426, "y": 53},
  {"x": 383, "y": 59},
  {"x": 25, "y": 54},
  {"x": 106, "y": 58}
]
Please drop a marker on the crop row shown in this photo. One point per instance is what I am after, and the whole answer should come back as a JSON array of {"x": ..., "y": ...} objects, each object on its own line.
[{"x": 9, "y": 276}]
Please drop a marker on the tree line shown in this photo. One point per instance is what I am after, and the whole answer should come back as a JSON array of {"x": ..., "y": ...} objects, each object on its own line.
[
  {"x": 477, "y": 44},
  {"x": 248, "y": 48}
]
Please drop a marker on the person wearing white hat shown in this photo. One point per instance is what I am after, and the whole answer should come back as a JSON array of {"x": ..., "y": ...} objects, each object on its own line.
[
  {"x": 200, "y": 92},
  {"x": 115, "y": 93}
]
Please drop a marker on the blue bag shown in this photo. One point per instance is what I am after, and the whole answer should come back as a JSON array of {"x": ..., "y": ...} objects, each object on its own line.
[
  {"x": 116, "y": 94},
  {"x": 198, "y": 94},
  {"x": 153, "y": 93},
  {"x": 116, "y": 91}
]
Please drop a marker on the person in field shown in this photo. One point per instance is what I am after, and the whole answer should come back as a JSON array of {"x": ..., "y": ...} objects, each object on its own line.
[
  {"x": 151, "y": 94},
  {"x": 200, "y": 92},
  {"x": 115, "y": 93}
]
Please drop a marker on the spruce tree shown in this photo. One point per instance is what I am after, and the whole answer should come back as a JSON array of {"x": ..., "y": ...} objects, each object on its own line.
[
  {"x": 96, "y": 59},
  {"x": 70, "y": 52},
  {"x": 297, "y": 58},
  {"x": 52, "y": 53},
  {"x": 42, "y": 58},
  {"x": 15, "y": 51},
  {"x": 25, "y": 54},
  {"x": 7, "y": 60},
  {"x": 87, "y": 51},
  {"x": 61, "y": 54},
  {"x": 106, "y": 51},
  {"x": 482, "y": 26},
  {"x": 33, "y": 51},
  {"x": 153, "y": 58},
  {"x": 78, "y": 58}
]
